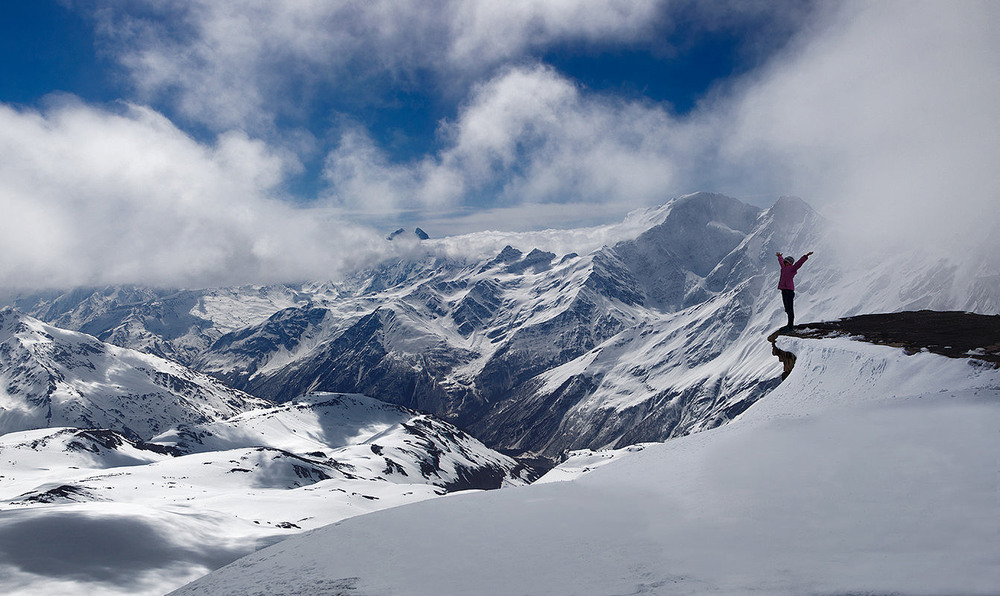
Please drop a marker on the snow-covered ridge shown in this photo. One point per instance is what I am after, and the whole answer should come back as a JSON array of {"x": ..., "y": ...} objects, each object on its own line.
[
  {"x": 381, "y": 441},
  {"x": 52, "y": 377},
  {"x": 869, "y": 470}
]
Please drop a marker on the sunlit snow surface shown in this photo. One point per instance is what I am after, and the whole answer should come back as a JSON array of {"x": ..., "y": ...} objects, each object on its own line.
[
  {"x": 85, "y": 512},
  {"x": 867, "y": 471}
]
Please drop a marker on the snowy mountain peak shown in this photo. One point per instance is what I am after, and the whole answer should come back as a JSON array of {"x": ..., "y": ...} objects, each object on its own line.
[
  {"x": 790, "y": 209},
  {"x": 400, "y": 233},
  {"x": 509, "y": 254},
  {"x": 537, "y": 261}
]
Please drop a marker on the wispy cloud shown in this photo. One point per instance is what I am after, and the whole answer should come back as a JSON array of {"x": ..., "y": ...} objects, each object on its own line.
[
  {"x": 888, "y": 117},
  {"x": 93, "y": 196},
  {"x": 245, "y": 64}
]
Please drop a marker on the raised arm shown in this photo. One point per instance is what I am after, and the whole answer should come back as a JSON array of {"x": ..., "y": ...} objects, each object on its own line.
[
  {"x": 803, "y": 259},
  {"x": 781, "y": 260}
]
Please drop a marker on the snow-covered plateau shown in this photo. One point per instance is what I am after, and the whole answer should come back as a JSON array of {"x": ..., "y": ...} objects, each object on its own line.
[{"x": 867, "y": 471}]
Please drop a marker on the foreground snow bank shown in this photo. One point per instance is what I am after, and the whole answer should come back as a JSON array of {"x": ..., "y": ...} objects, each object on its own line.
[
  {"x": 88, "y": 511},
  {"x": 866, "y": 471}
]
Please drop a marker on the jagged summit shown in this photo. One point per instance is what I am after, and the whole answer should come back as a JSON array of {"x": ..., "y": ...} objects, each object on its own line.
[
  {"x": 537, "y": 260},
  {"x": 508, "y": 255},
  {"x": 788, "y": 210},
  {"x": 417, "y": 233}
]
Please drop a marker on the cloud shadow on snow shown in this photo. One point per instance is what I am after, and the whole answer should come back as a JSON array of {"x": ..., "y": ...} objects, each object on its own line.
[{"x": 118, "y": 550}]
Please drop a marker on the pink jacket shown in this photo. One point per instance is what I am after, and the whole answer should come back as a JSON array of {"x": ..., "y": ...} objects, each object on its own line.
[{"x": 788, "y": 272}]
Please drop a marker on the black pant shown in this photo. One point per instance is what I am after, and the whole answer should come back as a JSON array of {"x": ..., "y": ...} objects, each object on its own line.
[{"x": 788, "y": 297}]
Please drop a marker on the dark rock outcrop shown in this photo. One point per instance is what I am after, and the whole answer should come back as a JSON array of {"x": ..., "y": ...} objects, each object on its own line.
[{"x": 949, "y": 333}]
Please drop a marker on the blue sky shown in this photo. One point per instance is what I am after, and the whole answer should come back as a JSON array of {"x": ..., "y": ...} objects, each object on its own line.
[
  {"x": 55, "y": 47},
  {"x": 222, "y": 141}
]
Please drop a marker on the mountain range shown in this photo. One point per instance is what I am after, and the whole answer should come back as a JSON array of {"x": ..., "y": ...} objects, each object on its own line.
[
  {"x": 655, "y": 336},
  {"x": 175, "y": 430},
  {"x": 54, "y": 377}
]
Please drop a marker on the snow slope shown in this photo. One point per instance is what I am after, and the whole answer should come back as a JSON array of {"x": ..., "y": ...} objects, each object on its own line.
[
  {"x": 866, "y": 471},
  {"x": 89, "y": 511}
]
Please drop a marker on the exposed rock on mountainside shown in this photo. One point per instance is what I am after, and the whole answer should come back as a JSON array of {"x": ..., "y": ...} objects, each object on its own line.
[
  {"x": 417, "y": 232},
  {"x": 953, "y": 334}
]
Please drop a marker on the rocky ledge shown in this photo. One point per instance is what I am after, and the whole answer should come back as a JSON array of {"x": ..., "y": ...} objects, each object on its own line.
[{"x": 952, "y": 334}]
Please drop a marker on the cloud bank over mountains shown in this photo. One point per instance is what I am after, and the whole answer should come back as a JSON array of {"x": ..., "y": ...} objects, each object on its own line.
[
  {"x": 96, "y": 196},
  {"x": 882, "y": 115}
]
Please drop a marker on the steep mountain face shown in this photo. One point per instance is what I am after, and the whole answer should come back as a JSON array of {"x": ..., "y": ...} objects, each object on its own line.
[
  {"x": 678, "y": 371},
  {"x": 656, "y": 336},
  {"x": 671, "y": 260},
  {"x": 532, "y": 351},
  {"x": 54, "y": 377}
]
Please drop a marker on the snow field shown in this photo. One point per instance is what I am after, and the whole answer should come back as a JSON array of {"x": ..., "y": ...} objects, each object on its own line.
[
  {"x": 84, "y": 511},
  {"x": 886, "y": 480}
]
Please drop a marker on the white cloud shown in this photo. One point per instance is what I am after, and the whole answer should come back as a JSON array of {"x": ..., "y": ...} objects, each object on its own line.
[
  {"x": 888, "y": 117},
  {"x": 367, "y": 184},
  {"x": 883, "y": 115},
  {"x": 91, "y": 196},
  {"x": 528, "y": 136},
  {"x": 242, "y": 64},
  {"x": 492, "y": 32}
]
